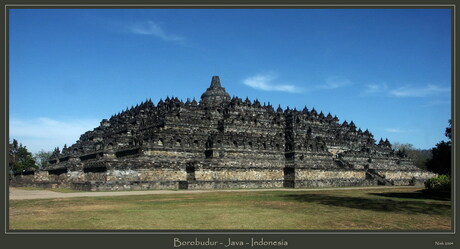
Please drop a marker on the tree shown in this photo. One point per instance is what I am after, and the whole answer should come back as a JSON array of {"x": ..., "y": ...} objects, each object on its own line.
[
  {"x": 20, "y": 158},
  {"x": 449, "y": 130},
  {"x": 42, "y": 157},
  {"x": 13, "y": 150},
  {"x": 15, "y": 145},
  {"x": 441, "y": 161},
  {"x": 419, "y": 156}
]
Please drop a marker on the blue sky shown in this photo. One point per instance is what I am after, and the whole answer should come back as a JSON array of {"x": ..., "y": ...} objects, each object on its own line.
[{"x": 387, "y": 70}]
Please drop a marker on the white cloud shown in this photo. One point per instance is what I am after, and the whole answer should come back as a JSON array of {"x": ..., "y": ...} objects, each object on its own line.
[
  {"x": 398, "y": 130},
  {"x": 375, "y": 88},
  {"x": 152, "y": 28},
  {"x": 45, "y": 133},
  {"x": 408, "y": 91},
  {"x": 264, "y": 83},
  {"x": 335, "y": 82},
  {"x": 404, "y": 91},
  {"x": 394, "y": 130}
]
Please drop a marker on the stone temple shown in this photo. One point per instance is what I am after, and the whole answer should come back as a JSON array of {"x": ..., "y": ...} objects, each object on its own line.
[{"x": 223, "y": 142}]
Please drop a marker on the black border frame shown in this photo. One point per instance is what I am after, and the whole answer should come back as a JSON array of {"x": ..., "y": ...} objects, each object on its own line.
[{"x": 164, "y": 239}]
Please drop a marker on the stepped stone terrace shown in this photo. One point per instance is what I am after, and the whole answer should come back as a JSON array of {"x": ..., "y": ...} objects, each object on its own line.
[{"x": 222, "y": 142}]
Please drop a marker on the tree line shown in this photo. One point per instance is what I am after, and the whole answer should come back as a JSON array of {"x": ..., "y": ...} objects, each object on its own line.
[
  {"x": 20, "y": 159},
  {"x": 436, "y": 159}
]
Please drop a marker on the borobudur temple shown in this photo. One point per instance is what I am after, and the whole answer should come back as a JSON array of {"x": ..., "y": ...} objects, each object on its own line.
[{"x": 222, "y": 142}]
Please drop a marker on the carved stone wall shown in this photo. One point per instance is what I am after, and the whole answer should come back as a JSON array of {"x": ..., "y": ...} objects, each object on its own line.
[{"x": 223, "y": 142}]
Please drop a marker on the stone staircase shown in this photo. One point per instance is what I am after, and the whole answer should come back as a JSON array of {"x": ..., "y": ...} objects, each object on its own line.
[
  {"x": 373, "y": 175},
  {"x": 343, "y": 164}
]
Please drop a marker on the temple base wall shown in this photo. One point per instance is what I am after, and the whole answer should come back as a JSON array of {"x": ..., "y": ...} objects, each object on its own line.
[
  {"x": 239, "y": 174},
  {"x": 216, "y": 178},
  {"x": 406, "y": 177},
  {"x": 342, "y": 182},
  {"x": 315, "y": 175},
  {"x": 235, "y": 184},
  {"x": 309, "y": 178},
  {"x": 124, "y": 185}
]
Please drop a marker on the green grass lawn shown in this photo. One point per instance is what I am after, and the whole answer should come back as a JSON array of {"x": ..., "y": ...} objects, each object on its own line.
[{"x": 371, "y": 209}]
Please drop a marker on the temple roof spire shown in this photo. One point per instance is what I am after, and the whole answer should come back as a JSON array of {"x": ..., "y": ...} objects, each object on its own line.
[
  {"x": 215, "y": 82},
  {"x": 215, "y": 94}
]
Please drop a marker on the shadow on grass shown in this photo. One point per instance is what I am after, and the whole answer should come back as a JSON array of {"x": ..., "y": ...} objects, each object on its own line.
[
  {"x": 376, "y": 204},
  {"x": 419, "y": 195}
]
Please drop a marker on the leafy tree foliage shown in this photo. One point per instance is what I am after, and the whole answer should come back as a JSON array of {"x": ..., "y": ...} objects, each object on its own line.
[
  {"x": 419, "y": 156},
  {"x": 441, "y": 161},
  {"x": 13, "y": 150},
  {"x": 42, "y": 158},
  {"x": 441, "y": 182},
  {"x": 20, "y": 158},
  {"x": 449, "y": 130}
]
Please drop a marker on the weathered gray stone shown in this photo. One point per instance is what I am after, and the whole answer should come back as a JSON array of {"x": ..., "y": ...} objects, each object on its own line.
[{"x": 223, "y": 142}]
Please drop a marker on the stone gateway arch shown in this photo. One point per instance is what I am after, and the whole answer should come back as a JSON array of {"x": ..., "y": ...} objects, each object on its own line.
[{"x": 222, "y": 142}]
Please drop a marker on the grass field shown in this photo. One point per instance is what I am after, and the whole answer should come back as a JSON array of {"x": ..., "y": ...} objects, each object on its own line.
[{"x": 371, "y": 209}]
